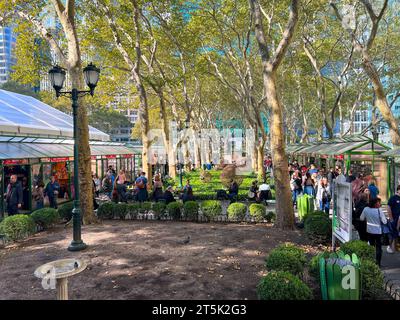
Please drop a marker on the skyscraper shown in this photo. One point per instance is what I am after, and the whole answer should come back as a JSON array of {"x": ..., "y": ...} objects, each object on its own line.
[{"x": 7, "y": 55}]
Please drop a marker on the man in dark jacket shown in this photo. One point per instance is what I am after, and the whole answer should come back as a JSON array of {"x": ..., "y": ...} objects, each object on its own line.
[
  {"x": 168, "y": 196},
  {"x": 14, "y": 196},
  {"x": 233, "y": 190},
  {"x": 52, "y": 190}
]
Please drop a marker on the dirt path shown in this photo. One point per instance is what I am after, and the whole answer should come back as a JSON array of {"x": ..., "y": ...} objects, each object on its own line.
[{"x": 147, "y": 260}]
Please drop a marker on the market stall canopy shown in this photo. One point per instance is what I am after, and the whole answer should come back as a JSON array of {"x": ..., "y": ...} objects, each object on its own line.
[
  {"x": 339, "y": 146},
  {"x": 392, "y": 153},
  {"x": 47, "y": 148},
  {"x": 22, "y": 115}
]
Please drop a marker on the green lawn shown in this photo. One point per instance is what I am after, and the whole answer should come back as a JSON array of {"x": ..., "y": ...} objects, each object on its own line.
[{"x": 203, "y": 190}]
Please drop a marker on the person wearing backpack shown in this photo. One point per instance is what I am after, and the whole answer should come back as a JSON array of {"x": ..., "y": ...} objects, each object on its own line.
[
  {"x": 324, "y": 195},
  {"x": 375, "y": 219},
  {"x": 141, "y": 184}
]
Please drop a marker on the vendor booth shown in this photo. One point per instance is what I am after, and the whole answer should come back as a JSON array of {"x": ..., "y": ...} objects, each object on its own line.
[
  {"x": 36, "y": 143},
  {"x": 360, "y": 154}
]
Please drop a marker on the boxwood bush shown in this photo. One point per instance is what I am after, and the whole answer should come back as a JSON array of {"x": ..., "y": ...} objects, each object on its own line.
[
  {"x": 237, "y": 211},
  {"x": 372, "y": 280},
  {"x": 65, "y": 210},
  {"x": 211, "y": 208},
  {"x": 159, "y": 208},
  {"x": 318, "y": 228},
  {"x": 286, "y": 257},
  {"x": 120, "y": 210},
  {"x": 17, "y": 227},
  {"x": 145, "y": 207},
  {"x": 313, "y": 214},
  {"x": 106, "y": 210},
  {"x": 360, "y": 248},
  {"x": 175, "y": 210},
  {"x": 45, "y": 217},
  {"x": 133, "y": 209},
  {"x": 257, "y": 211},
  {"x": 191, "y": 210},
  {"x": 270, "y": 217},
  {"x": 283, "y": 285}
]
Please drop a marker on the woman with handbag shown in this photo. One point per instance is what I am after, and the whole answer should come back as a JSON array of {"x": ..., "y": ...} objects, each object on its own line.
[{"x": 375, "y": 222}]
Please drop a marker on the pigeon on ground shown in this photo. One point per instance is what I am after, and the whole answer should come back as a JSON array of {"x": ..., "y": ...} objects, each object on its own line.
[{"x": 186, "y": 241}]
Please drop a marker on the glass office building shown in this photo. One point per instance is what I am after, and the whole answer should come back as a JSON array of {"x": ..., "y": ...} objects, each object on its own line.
[{"x": 7, "y": 56}]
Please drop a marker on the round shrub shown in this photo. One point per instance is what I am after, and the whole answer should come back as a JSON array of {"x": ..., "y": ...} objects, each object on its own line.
[
  {"x": 318, "y": 228},
  {"x": 270, "y": 217},
  {"x": 360, "y": 248},
  {"x": 174, "y": 210},
  {"x": 283, "y": 285},
  {"x": 372, "y": 280},
  {"x": 106, "y": 210},
  {"x": 45, "y": 217},
  {"x": 286, "y": 257},
  {"x": 121, "y": 209},
  {"x": 65, "y": 210},
  {"x": 145, "y": 207},
  {"x": 257, "y": 211},
  {"x": 191, "y": 210},
  {"x": 314, "y": 263},
  {"x": 133, "y": 209},
  {"x": 18, "y": 226},
  {"x": 237, "y": 211},
  {"x": 314, "y": 214},
  {"x": 211, "y": 208},
  {"x": 159, "y": 208}
]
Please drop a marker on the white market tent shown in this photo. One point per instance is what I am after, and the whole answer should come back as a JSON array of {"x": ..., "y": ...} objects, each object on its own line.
[{"x": 22, "y": 115}]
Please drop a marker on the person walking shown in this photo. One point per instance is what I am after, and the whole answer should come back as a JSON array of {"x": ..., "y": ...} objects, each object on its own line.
[
  {"x": 38, "y": 195},
  {"x": 51, "y": 191},
  {"x": 233, "y": 191},
  {"x": 97, "y": 184},
  {"x": 394, "y": 214},
  {"x": 157, "y": 188},
  {"x": 309, "y": 185},
  {"x": 107, "y": 185},
  {"x": 360, "y": 226},
  {"x": 187, "y": 192},
  {"x": 375, "y": 218},
  {"x": 324, "y": 195},
  {"x": 373, "y": 189},
  {"x": 121, "y": 186},
  {"x": 295, "y": 185},
  {"x": 14, "y": 196}
]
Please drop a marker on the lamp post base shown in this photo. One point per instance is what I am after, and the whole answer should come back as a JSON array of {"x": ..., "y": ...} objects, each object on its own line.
[{"x": 77, "y": 246}]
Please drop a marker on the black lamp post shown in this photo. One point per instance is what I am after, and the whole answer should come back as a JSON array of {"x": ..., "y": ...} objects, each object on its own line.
[{"x": 57, "y": 78}]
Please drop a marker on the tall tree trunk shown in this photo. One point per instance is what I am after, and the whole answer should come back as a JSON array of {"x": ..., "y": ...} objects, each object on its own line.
[
  {"x": 270, "y": 64},
  {"x": 380, "y": 98}
]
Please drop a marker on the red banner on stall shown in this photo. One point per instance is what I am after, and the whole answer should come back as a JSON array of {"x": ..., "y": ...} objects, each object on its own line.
[
  {"x": 339, "y": 157},
  {"x": 59, "y": 159},
  {"x": 94, "y": 157},
  {"x": 16, "y": 161},
  {"x": 111, "y": 156},
  {"x": 127, "y": 156}
]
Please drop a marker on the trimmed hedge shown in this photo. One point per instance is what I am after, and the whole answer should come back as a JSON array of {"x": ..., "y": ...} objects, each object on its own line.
[
  {"x": 314, "y": 214},
  {"x": 237, "y": 211},
  {"x": 372, "y": 280},
  {"x": 286, "y": 257},
  {"x": 283, "y": 285},
  {"x": 318, "y": 228},
  {"x": 106, "y": 210},
  {"x": 120, "y": 210},
  {"x": 211, "y": 208},
  {"x": 145, "y": 207},
  {"x": 270, "y": 217},
  {"x": 65, "y": 210},
  {"x": 360, "y": 248},
  {"x": 257, "y": 211},
  {"x": 133, "y": 209},
  {"x": 45, "y": 217},
  {"x": 191, "y": 210},
  {"x": 175, "y": 210},
  {"x": 159, "y": 208},
  {"x": 17, "y": 227}
]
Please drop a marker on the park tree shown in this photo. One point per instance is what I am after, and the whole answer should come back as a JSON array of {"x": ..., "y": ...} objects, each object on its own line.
[
  {"x": 270, "y": 64},
  {"x": 362, "y": 24},
  {"x": 67, "y": 50}
]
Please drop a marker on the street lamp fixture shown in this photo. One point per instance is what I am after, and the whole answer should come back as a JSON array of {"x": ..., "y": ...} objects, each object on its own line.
[{"x": 57, "y": 77}]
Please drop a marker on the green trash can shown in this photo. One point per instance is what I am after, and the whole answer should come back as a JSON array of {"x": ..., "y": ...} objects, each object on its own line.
[
  {"x": 305, "y": 205},
  {"x": 332, "y": 277}
]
